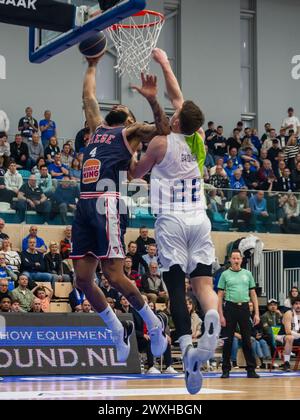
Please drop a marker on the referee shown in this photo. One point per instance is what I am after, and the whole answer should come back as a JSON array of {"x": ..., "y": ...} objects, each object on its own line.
[{"x": 238, "y": 287}]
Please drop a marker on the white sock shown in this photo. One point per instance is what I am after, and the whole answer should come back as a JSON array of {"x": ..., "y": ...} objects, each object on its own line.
[
  {"x": 111, "y": 319},
  {"x": 149, "y": 317},
  {"x": 287, "y": 357},
  {"x": 184, "y": 342}
]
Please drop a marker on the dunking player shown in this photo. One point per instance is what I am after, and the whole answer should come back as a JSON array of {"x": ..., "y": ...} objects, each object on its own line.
[
  {"x": 182, "y": 228},
  {"x": 97, "y": 229}
]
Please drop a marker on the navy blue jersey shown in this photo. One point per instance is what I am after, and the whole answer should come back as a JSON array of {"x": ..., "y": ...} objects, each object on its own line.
[{"x": 107, "y": 154}]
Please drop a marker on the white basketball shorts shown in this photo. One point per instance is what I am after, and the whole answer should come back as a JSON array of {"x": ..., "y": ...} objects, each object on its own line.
[{"x": 184, "y": 239}]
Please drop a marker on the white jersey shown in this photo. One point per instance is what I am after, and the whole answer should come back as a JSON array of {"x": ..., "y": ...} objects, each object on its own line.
[
  {"x": 182, "y": 228},
  {"x": 176, "y": 182}
]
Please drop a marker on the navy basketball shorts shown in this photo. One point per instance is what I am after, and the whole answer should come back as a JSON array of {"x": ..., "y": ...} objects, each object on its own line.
[{"x": 98, "y": 229}]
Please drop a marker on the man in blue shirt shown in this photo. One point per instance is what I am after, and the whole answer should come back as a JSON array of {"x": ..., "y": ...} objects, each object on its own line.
[
  {"x": 57, "y": 169},
  {"x": 65, "y": 198},
  {"x": 40, "y": 243},
  {"x": 258, "y": 205},
  {"x": 48, "y": 128},
  {"x": 236, "y": 181}
]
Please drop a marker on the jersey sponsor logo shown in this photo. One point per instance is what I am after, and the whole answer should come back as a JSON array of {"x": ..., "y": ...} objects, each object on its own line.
[
  {"x": 26, "y": 4},
  {"x": 91, "y": 171}
]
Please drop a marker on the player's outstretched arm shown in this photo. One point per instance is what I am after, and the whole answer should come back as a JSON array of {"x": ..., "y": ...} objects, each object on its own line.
[
  {"x": 172, "y": 85},
  {"x": 90, "y": 103},
  {"x": 146, "y": 132},
  {"x": 153, "y": 155}
]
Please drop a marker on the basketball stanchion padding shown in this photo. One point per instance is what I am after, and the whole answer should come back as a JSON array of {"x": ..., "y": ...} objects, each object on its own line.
[{"x": 94, "y": 46}]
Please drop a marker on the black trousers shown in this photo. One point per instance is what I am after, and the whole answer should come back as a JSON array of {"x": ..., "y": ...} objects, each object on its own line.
[{"x": 237, "y": 315}]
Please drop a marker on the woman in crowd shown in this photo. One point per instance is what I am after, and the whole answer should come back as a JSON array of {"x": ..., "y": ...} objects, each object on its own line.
[
  {"x": 291, "y": 150},
  {"x": 39, "y": 163},
  {"x": 196, "y": 321},
  {"x": 293, "y": 293},
  {"x": 53, "y": 262},
  {"x": 51, "y": 150},
  {"x": 75, "y": 170}
]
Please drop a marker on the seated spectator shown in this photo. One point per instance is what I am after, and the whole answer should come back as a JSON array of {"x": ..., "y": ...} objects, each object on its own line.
[
  {"x": 31, "y": 197},
  {"x": 196, "y": 321},
  {"x": 235, "y": 141},
  {"x": 6, "y": 271},
  {"x": 248, "y": 156},
  {"x": 219, "y": 143},
  {"x": 137, "y": 259},
  {"x": 152, "y": 285},
  {"x": 19, "y": 153},
  {"x": 143, "y": 241},
  {"x": 151, "y": 256},
  {"x": 13, "y": 181},
  {"x": 78, "y": 309},
  {"x": 12, "y": 258},
  {"x": 209, "y": 159},
  {"x": 291, "y": 222},
  {"x": 131, "y": 274},
  {"x": 258, "y": 205},
  {"x": 219, "y": 162},
  {"x": 250, "y": 177},
  {"x": 229, "y": 168},
  {"x": 44, "y": 181},
  {"x": 36, "y": 306},
  {"x": 65, "y": 198},
  {"x": 236, "y": 181},
  {"x": 86, "y": 307},
  {"x": 262, "y": 156},
  {"x": 109, "y": 292},
  {"x": 274, "y": 151},
  {"x": 75, "y": 169},
  {"x": 41, "y": 293},
  {"x": 40, "y": 243},
  {"x": 76, "y": 297},
  {"x": 4, "y": 289},
  {"x": 233, "y": 156},
  {"x": 5, "y": 304},
  {"x": 66, "y": 156},
  {"x": 23, "y": 294},
  {"x": 246, "y": 144},
  {"x": 255, "y": 139},
  {"x": 72, "y": 150},
  {"x": 111, "y": 303},
  {"x": 265, "y": 174},
  {"x": 48, "y": 128},
  {"x": 219, "y": 180},
  {"x": 268, "y": 143},
  {"x": 51, "y": 150},
  {"x": 259, "y": 345},
  {"x": 33, "y": 264},
  {"x": 289, "y": 334},
  {"x": 282, "y": 138},
  {"x": 240, "y": 209},
  {"x": 285, "y": 183},
  {"x": 81, "y": 137},
  {"x": 271, "y": 318},
  {"x": 280, "y": 168},
  {"x": 2, "y": 234},
  {"x": 66, "y": 243},
  {"x": 39, "y": 163},
  {"x": 296, "y": 177},
  {"x": 125, "y": 307},
  {"x": 293, "y": 293},
  {"x": 53, "y": 263},
  {"x": 4, "y": 148},
  {"x": 15, "y": 306},
  {"x": 266, "y": 133},
  {"x": 56, "y": 169},
  {"x": 291, "y": 150},
  {"x": 216, "y": 204},
  {"x": 28, "y": 125},
  {"x": 35, "y": 149}
]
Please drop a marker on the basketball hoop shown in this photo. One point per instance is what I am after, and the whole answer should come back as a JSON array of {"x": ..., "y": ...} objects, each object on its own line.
[{"x": 134, "y": 39}]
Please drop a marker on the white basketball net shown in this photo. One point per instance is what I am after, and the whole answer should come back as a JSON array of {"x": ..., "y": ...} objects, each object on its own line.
[{"x": 135, "y": 42}]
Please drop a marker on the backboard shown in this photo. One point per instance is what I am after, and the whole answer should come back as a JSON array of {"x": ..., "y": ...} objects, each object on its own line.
[{"x": 44, "y": 44}]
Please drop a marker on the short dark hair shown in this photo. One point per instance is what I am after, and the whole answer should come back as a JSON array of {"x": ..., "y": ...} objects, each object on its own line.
[
  {"x": 234, "y": 251},
  {"x": 240, "y": 123},
  {"x": 191, "y": 118},
  {"x": 295, "y": 300},
  {"x": 143, "y": 227},
  {"x": 128, "y": 257},
  {"x": 220, "y": 126},
  {"x": 291, "y": 109},
  {"x": 210, "y": 123},
  {"x": 131, "y": 242}
]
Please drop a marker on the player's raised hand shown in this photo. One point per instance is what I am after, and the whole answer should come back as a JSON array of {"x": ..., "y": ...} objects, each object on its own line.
[
  {"x": 160, "y": 56},
  {"x": 148, "y": 88}
]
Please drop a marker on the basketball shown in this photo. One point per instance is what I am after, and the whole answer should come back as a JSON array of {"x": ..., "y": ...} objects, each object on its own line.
[{"x": 94, "y": 46}]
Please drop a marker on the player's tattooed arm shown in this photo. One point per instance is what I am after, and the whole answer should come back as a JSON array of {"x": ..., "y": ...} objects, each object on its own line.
[{"x": 90, "y": 103}]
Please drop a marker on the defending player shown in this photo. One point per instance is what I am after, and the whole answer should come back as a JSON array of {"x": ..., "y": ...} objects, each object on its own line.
[
  {"x": 98, "y": 228},
  {"x": 182, "y": 228}
]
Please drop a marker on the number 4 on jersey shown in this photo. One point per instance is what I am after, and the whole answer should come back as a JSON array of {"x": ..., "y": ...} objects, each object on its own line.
[{"x": 93, "y": 152}]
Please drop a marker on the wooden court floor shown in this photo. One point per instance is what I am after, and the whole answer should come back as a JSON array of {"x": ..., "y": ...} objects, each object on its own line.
[{"x": 278, "y": 386}]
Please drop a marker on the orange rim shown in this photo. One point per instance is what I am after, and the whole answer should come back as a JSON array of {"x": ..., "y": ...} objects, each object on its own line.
[{"x": 160, "y": 18}]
